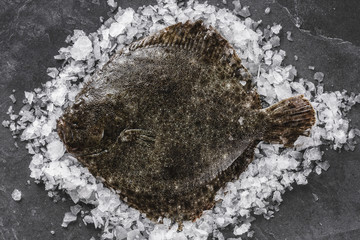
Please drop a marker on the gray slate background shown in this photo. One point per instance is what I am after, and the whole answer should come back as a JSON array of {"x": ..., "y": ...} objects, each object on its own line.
[{"x": 31, "y": 32}]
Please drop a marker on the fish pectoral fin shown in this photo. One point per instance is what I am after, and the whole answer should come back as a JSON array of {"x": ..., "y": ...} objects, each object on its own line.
[{"x": 141, "y": 136}]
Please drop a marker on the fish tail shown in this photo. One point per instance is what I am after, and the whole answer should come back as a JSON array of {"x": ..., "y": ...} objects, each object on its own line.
[{"x": 288, "y": 119}]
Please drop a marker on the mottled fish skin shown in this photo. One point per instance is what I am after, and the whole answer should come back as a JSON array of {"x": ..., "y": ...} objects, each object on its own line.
[{"x": 160, "y": 122}]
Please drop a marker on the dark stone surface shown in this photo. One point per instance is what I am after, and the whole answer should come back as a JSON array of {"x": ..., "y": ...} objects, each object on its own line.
[
  {"x": 31, "y": 32},
  {"x": 335, "y": 19}
]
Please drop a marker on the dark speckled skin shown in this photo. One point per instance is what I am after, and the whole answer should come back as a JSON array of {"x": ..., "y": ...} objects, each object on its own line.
[
  {"x": 26, "y": 55},
  {"x": 160, "y": 122}
]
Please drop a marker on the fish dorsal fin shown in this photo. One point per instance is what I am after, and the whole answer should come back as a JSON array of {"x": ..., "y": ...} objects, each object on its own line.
[{"x": 199, "y": 38}]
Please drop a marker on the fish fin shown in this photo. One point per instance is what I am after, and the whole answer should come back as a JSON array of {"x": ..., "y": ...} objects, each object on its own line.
[
  {"x": 144, "y": 137},
  {"x": 288, "y": 119},
  {"x": 204, "y": 40}
]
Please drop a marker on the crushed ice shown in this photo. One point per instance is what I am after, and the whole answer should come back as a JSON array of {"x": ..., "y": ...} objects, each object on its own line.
[{"x": 258, "y": 190}]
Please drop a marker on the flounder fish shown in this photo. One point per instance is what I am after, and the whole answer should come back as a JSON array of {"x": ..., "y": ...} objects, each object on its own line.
[{"x": 170, "y": 119}]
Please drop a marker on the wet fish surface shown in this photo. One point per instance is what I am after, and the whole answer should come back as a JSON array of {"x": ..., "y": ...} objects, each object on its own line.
[{"x": 170, "y": 119}]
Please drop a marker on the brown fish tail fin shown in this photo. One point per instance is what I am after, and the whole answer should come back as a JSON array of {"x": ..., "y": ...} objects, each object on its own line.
[{"x": 288, "y": 119}]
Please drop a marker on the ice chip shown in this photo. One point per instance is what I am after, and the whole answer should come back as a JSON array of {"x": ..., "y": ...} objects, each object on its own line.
[
  {"x": 12, "y": 97},
  {"x": 5, "y": 123},
  {"x": 316, "y": 198},
  {"x": 267, "y": 10},
  {"x": 52, "y": 72},
  {"x": 312, "y": 154},
  {"x": 277, "y": 60},
  {"x": 126, "y": 17},
  {"x": 112, "y": 3},
  {"x": 324, "y": 165},
  {"x": 277, "y": 197},
  {"x": 75, "y": 209},
  {"x": 275, "y": 41},
  {"x": 29, "y": 97},
  {"x": 120, "y": 233},
  {"x": 283, "y": 90},
  {"x": 133, "y": 234},
  {"x": 81, "y": 48},
  {"x": 68, "y": 218},
  {"x": 16, "y": 195},
  {"x": 276, "y": 28},
  {"x": 55, "y": 150},
  {"x": 242, "y": 229},
  {"x": 37, "y": 160},
  {"x": 116, "y": 29},
  {"x": 319, "y": 76},
  {"x": 288, "y": 36},
  {"x": 244, "y": 12},
  {"x": 122, "y": 21},
  {"x": 237, "y": 6}
]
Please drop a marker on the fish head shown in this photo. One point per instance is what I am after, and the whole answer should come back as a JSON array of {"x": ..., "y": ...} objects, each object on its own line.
[{"x": 81, "y": 129}]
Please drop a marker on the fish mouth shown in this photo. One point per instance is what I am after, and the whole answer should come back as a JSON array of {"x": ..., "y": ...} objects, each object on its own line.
[{"x": 66, "y": 134}]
